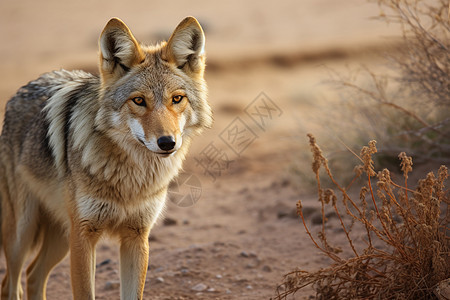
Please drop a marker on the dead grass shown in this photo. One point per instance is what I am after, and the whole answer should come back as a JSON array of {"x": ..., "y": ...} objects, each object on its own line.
[
  {"x": 408, "y": 108},
  {"x": 407, "y": 243},
  {"x": 405, "y": 251}
]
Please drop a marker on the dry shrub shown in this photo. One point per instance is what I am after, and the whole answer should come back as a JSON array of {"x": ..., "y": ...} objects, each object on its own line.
[
  {"x": 407, "y": 243},
  {"x": 409, "y": 108}
]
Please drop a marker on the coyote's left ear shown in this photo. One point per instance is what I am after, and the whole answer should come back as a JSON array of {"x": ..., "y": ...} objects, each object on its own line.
[
  {"x": 186, "y": 46},
  {"x": 119, "y": 50}
]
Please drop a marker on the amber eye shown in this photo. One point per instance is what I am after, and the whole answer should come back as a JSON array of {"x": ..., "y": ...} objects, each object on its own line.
[
  {"x": 139, "y": 101},
  {"x": 177, "y": 99}
]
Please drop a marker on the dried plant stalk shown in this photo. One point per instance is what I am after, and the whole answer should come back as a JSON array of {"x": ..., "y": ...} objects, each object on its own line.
[{"x": 410, "y": 226}]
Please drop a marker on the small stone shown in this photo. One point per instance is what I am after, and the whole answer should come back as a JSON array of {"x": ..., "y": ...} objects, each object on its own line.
[
  {"x": 184, "y": 271},
  {"x": 308, "y": 211},
  {"x": 199, "y": 287},
  {"x": 218, "y": 276},
  {"x": 267, "y": 268},
  {"x": 244, "y": 254},
  {"x": 248, "y": 254},
  {"x": 103, "y": 263},
  {"x": 159, "y": 279},
  {"x": 286, "y": 212},
  {"x": 331, "y": 215},
  {"x": 282, "y": 214},
  {"x": 169, "y": 222},
  {"x": 112, "y": 285},
  {"x": 249, "y": 287},
  {"x": 316, "y": 219},
  {"x": 211, "y": 290}
]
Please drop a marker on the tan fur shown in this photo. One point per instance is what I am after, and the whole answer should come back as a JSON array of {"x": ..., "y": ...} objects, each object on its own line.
[{"x": 83, "y": 156}]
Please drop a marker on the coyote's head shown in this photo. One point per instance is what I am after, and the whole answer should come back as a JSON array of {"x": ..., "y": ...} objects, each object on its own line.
[{"x": 153, "y": 95}]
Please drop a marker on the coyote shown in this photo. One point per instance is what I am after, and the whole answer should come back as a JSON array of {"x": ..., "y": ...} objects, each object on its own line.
[{"x": 82, "y": 156}]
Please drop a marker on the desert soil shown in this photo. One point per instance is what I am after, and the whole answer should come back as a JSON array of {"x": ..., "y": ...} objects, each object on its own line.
[{"x": 234, "y": 232}]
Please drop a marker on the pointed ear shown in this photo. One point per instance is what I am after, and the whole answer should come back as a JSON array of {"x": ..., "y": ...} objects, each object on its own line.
[
  {"x": 119, "y": 50},
  {"x": 186, "y": 46}
]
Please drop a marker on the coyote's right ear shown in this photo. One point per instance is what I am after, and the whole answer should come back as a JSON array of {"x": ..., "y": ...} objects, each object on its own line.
[
  {"x": 186, "y": 46},
  {"x": 119, "y": 50}
]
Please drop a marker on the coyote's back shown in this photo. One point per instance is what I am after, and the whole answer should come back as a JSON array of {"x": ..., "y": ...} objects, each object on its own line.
[
  {"x": 25, "y": 134},
  {"x": 84, "y": 155}
]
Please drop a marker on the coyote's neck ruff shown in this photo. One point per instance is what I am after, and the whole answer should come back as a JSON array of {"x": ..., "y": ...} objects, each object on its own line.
[{"x": 83, "y": 155}]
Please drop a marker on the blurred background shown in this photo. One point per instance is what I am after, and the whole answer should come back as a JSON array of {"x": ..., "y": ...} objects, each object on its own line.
[
  {"x": 47, "y": 35},
  {"x": 286, "y": 49},
  {"x": 240, "y": 234}
]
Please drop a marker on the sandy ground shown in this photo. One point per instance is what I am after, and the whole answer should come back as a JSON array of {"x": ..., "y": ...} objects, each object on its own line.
[{"x": 234, "y": 232}]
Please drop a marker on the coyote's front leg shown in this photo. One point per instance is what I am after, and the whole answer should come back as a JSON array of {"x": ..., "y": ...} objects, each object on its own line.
[
  {"x": 83, "y": 239},
  {"x": 133, "y": 261}
]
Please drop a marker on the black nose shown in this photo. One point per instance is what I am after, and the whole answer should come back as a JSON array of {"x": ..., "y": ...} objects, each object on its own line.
[{"x": 166, "y": 143}]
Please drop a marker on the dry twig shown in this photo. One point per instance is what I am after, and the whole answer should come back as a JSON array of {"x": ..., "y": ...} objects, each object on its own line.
[{"x": 410, "y": 224}]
